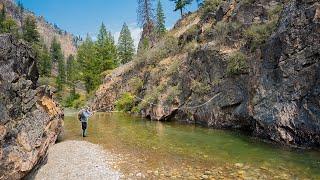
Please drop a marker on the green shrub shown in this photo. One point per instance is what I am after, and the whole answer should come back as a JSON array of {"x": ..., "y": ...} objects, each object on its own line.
[
  {"x": 125, "y": 102},
  {"x": 136, "y": 84},
  {"x": 79, "y": 103},
  {"x": 136, "y": 109},
  {"x": 71, "y": 100},
  {"x": 173, "y": 68},
  {"x": 199, "y": 87},
  {"x": 247, "y": 2},
  {"x": 237, "y": 64},
  {"x": 273, "y": 14},
  {"x": 191, "y": 34},
  {"x": 257, "y": 34},
  {"x": 166, "y": 47},
  {"x": 151, "y": 97},
  {"x": 190, "y": 46},
  {"x": 209, "y": 7},
  {"x": 224, "y": 29},
  {"x": 173, "y": 92}
]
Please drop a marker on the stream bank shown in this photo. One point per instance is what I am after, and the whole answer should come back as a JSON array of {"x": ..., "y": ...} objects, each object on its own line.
[{"x": 75, "y": 160}]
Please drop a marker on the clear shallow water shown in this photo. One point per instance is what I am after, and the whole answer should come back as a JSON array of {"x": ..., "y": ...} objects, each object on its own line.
[{"x": 185, "y": 151}]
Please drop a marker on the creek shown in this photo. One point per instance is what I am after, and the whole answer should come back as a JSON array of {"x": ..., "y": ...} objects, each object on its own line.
[{"x": 171, "y": 150}]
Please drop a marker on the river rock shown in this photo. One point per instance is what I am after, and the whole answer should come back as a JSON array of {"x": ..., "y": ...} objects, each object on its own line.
[
  {"x": 204, "y": 177},
  {"x": 238, "y": 165},
  {"x": 30, "y": 120}
]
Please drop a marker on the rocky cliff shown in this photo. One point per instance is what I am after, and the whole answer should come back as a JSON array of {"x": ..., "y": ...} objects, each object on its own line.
[
  {"x": 30, "y": 120},
  {"x": 248, "y": 65}
]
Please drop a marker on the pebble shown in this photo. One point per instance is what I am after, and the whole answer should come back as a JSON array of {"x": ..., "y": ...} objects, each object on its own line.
[
  {"x": 207, "y": 173},
  {"x": 139, "y": 175},
  {"x": 156, "y": 173},
  {"x": 264, "y": 168},
  {"x": 238, "y": 165},
  {"x": 204, "y": 177}
]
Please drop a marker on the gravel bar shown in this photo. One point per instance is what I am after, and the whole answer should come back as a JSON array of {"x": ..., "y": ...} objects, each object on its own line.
[{"x": 74, "y": 160}]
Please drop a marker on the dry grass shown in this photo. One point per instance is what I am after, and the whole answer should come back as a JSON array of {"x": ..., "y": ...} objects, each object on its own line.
[{"x": 186, "y": 24}]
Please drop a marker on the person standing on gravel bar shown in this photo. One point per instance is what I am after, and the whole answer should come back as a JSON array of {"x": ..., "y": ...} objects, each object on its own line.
[{"x": 83, "y": 116}]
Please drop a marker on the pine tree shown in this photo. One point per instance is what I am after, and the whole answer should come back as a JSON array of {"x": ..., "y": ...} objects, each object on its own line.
[
  {"x": 72, "y": 75},
  {"x": 88, "y": 64},
  {"x": 160, "y": 20},
  {"x": 103, "y": 34},
  {"x": 125, "y": 45},
  {"x": 71, "y": 69},
  {"x": 145, "y": 14},
  {"x": 57, "y": 57},
  {"x": 106, "y": 49},
  {"x": 56, "y": 51},
  {"x": 30, "y": 33},
  {"x": 44, "y": 61},
  {"x": 96, "y": 57},
  {"x": 181, "y": 4},
  {"x": 61, "y": 78}
]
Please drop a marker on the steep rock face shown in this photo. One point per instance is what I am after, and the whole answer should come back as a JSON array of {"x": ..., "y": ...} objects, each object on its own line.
[
  {"x": 48, "y": 32},
  {"x": 30, "y": 120},
  {"x": 286, "y": 89},
  {"x": 276, "y": 98}
]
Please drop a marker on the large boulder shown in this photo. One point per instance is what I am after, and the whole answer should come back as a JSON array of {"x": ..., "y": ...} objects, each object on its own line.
[{"x": 30, "y": 120}]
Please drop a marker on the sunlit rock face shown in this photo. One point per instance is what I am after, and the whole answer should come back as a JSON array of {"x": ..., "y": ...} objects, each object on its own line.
[
  {"x": 278, "y": 96},
  {"x": 30, "y": 120}
]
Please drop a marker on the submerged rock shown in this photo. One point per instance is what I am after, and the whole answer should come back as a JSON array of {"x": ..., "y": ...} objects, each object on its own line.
[{"x": 30, "y": 120}]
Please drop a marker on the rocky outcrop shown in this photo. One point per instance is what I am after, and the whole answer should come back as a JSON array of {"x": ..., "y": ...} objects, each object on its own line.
[
  {"x": 30, "y": 120},
  {"x": 277, "y": 97},
  {"x": 285, "y": 93}
]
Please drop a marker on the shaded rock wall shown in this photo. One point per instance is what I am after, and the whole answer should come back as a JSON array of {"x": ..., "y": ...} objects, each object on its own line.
[
  {"x": 285, "y": 100},
  {"x": 30, "y": 120}
]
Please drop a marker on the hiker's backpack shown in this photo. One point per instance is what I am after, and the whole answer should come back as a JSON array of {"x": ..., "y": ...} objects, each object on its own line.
[{"x": 80, "y": 115}]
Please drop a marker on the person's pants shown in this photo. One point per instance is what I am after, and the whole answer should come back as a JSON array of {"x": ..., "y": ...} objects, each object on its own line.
[{"x": 84, "y": 128}]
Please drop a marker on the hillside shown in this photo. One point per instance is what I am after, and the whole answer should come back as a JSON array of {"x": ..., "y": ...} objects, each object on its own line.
[
  {"x": 46, "y": 30},
  {"x": 247, "y": 65}
]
